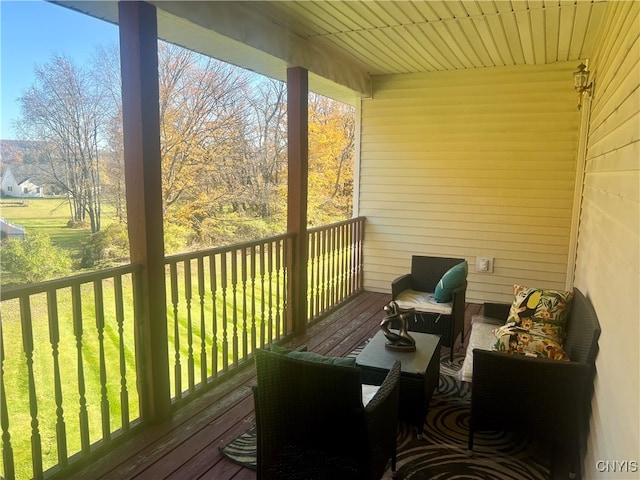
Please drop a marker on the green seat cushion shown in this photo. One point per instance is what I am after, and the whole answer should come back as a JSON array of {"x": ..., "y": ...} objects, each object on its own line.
[
  {"x": 314, "y": 357},
  {"x": 452, "y": 279}
]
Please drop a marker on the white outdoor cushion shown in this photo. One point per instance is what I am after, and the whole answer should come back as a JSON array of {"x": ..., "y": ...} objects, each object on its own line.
[
  {"x": 368, "y": 392},
  {"x": 423, "y": 302},
  {"x": 482, "y": 337}
]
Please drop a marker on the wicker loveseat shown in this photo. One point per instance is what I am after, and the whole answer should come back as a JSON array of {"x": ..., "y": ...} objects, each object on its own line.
[{"x": 551, "y": 398}]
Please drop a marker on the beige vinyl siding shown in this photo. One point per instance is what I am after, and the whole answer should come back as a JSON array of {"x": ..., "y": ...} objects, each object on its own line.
[
  {"x": 471, "y": 163},
  {"x": 608, "y": 254}
]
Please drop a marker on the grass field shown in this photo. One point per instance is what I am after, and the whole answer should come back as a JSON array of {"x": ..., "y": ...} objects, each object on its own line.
[{"x": 50, "y": 216}]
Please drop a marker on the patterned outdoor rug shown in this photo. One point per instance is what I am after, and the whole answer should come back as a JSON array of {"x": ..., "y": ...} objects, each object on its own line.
[{"x": 441, "y": 451}]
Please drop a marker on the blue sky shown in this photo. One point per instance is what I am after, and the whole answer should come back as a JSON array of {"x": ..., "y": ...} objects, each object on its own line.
[{"x": 31, "y": 32}]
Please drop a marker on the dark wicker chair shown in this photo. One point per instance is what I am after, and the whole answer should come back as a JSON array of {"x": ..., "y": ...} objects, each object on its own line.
[
  {"x": 549, "y": 398},
  {"x": 425, "y": 274},
  {"x": 312, "y": 425}
]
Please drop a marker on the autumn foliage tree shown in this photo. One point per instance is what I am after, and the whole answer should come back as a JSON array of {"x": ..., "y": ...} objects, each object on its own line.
[
  {"x": 223, "y": 145},
  {"x": 331, "y": 157}
]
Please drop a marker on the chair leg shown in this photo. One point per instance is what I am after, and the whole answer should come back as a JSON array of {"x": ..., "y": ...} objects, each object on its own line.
[
  {"x": 393, "y": 460},
  {"x": 470, "y": 444}
]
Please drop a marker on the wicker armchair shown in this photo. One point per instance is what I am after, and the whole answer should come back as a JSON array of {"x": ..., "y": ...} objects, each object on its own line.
[
  {"x": 311, "y": 422},
  {"x": 446, "y": 320},
  {"x": 550, "y": 398}
]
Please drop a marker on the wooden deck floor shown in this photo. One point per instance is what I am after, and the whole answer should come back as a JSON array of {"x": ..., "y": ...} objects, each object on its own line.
[{"x": 187, "y": 446}]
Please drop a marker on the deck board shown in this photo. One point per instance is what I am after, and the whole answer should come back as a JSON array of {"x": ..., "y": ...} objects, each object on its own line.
[{"x": 188, "y": 445}]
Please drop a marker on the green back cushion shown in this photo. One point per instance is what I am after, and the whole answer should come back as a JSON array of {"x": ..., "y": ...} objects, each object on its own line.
[
  {"x": 452, "y": 279},
  {"x": 314, "y": 357}
]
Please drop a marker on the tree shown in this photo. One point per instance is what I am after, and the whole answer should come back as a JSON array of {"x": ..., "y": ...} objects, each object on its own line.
[
  {"x": 266, "y": 148},
  {"x": 201, "y": 106},
  {"x": 331, "y": 160},
  {"x": 65, "y": 110},
  {"x": 107, "y": 72},
  {"x": 34, "y": 259},
  {"x": 109, "y": 246},
  {"x": 223, "y": 145}
]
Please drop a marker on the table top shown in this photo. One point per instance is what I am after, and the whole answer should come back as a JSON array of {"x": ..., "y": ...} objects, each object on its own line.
[{"x": 375, "y": 355}]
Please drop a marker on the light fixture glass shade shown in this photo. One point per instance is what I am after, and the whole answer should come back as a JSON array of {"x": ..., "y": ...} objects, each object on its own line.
[{"x": 580, "y": 78}]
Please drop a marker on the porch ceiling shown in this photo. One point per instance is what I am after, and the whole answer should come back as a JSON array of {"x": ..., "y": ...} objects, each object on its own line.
[{"x": 345, "y": 43}]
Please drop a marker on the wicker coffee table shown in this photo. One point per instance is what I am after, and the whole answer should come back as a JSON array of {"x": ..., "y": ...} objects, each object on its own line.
[{"x": 419, "y": 377}]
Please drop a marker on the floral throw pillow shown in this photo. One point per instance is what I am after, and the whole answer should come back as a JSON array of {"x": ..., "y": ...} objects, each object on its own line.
[{"x": 536, "y": 323}]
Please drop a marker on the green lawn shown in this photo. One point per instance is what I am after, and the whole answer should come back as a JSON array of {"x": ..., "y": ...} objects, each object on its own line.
[{"x": 49, "y": 216}]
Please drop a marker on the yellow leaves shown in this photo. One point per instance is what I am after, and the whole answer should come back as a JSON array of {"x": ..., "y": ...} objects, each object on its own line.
[
  {"x": 223, "y": 141},
  {"x": 331, "y": 129}
]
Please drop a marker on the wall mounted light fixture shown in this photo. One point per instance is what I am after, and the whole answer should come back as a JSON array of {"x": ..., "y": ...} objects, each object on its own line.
[{"x": 581, "y": 83}]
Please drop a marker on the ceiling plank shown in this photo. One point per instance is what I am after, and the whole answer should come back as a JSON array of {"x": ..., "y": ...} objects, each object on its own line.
[
  {"x": 538, "y": 34},
  {"x": 500, "y": 38},
  {"x": 567, "y": 14},
  {"x": 552, "y": 28},
  {"x": 431, "y": 52},
  {"x": 523, "y": 20},
  {"x": 442, "y": 10},
  {"x": 391, "y": 36},
  {"x": 310, "y": 26},
  {"x": 473, "y": 8},
  {"x": 367, "y": 54},
  {"x": 367, "y": 11},
  {"x": 445, "y": 41},
  {"x": 596, "y": 18},
  {"x": 403, "y": 13},
  {"x": 488, "y": 40},
  {"x": 475, "y": 42},
  {"x": 287, "y": 18},
  {"x": 513, "y": 37},
  {"x": 519, "y": 5},
  {"x": 580, "y": 24},
  {"x": 427, "y": 61},
  {"x": 339, "y": 14},
  {"x": 462, "y": 39},
  {"x": 426, "y": 10},
  {"x": 331, "y": 19},
  {"x": 458, "y": 9},
  {"x": 504, "y": 6},
  {"x": 488, "y": 8}
]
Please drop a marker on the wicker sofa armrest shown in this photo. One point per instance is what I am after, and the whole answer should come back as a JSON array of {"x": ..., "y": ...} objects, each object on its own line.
[
  {"x": 517, "y": 392},
  {"x": 400, "y": 284},
  {"x": 387, "y": 394}
]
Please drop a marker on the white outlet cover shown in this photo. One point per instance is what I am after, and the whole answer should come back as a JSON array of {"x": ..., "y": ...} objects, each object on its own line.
[{"x": 484, "y": 264}]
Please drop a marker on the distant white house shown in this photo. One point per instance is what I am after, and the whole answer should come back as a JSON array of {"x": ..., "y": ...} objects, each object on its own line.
[{"x": 17, "y": 187}]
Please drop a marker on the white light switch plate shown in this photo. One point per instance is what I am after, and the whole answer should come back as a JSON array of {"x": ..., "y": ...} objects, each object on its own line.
[{"x": 484, "y": 265}]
